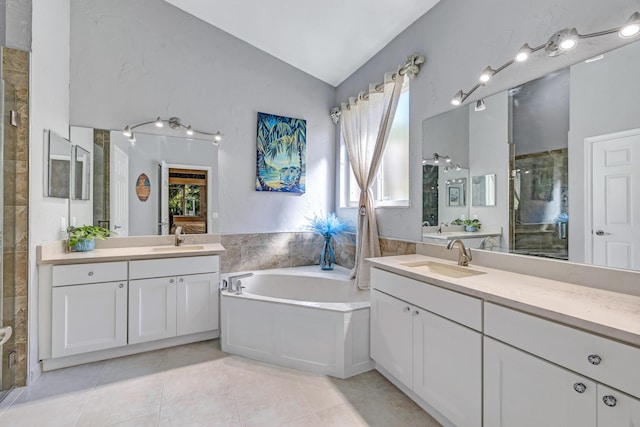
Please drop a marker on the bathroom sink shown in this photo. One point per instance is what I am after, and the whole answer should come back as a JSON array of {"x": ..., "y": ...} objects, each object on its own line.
[
  {"x": 185, "y": 248},
  {"x": 453, "y": 271}
]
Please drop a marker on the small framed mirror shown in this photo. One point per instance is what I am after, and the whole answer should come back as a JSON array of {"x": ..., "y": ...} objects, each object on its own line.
[
  {"x": 456, "y": 195},
  {"x": 483, "y": 190},
  {"x": 58, "y": 166},
  {"x": 81, "y": 174}
]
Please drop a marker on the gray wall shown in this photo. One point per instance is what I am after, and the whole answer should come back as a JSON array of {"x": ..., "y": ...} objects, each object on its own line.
[
  {"x": 459, "y": 39},
  {"x": 132, "y": 61},
  {"x": 604, "y": 99}
]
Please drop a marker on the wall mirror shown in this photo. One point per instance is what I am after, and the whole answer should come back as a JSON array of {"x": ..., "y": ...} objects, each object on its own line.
[
  {"x": 149, "y": 186},
  {"x": 483, "y": 190},
  {"x": 552, "y": 145},
  {"x": 58, "y": 166},
  {"x": 81, "y": 174}
]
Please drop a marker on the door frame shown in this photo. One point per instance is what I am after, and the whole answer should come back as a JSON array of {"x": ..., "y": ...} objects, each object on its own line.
[
  {"x": 165, "y": 191},
  {"x": 588, "y": 185}
]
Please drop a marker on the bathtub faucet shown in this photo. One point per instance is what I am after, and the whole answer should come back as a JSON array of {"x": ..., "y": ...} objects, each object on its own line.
[
  {"x": 234, "y": 284},
  {"x": 179, "y": 236}
]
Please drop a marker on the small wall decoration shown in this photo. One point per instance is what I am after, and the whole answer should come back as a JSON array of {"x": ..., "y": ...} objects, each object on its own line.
[
  {"x": 281, "y": 152},
  {"x": 143, "y": 187}
]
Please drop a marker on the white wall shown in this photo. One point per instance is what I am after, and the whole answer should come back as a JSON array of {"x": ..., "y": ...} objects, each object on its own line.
[
  {"x": 81, "y": 211},
  {"x": 133, "y": 61},
  {"x": 459, "y": 39},
  {"x": 49, "y": 97}
]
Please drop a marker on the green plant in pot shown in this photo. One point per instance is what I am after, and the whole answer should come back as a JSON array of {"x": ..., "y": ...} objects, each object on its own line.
[
  {"x": 472, "y": 224},
  {"x": 82, "y": 238}
]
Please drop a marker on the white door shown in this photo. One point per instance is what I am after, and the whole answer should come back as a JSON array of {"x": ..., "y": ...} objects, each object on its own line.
[
  {"x": 521, "y": 390},
  {"x": 197, "y": 303},
  {"x": 617, "y": 409},
  {"x": 119, "y": 187},
  {"x": 88, "y": 318},
  {"x": 447, "y": 367},
  {"x": 615, "y": 199},
  {"x": 164, "y": 198},
  {"x": 152, "y": 309},
  {"x": 391, "y": 336}
]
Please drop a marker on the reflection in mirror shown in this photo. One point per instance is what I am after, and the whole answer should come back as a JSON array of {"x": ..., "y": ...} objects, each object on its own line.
[
  {"x": 81, "y": 174},
  {"x": 59, "y": 166},
  {"x": 124, "y": 204},
  {"x": 456, "y": 192},
  {"x": 483, "y": 190},
  {"x": 559, "y": 207}
]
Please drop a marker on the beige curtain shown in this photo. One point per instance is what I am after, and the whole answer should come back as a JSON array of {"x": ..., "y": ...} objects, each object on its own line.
[{"x": 365, "y": 124}]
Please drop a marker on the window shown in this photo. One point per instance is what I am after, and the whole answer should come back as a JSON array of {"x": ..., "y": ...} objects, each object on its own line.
[{"x": 391, "y": 187}]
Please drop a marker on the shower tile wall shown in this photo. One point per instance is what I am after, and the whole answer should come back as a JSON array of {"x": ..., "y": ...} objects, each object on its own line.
[{"x": 15, "y": 71}]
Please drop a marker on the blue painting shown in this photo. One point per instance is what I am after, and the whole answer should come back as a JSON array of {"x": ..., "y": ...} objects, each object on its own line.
[{"x": 282, "y": 146}]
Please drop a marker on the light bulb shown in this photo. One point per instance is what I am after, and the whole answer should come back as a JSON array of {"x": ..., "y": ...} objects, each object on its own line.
[
  {"x": 132, "y": 138},
  {"x": 158, "y": 123},
  {"x": 523, "y": 53},
  {"x": 568, "y": 44},
  {"x": 631, "y": 27},
  {"x": 458, "y": 97},
  {"x": 487, "y": 74},
  {"x": 568, "y": 39},
  {"x": 217, "y": 137},
  {"x": 189, "y": 131},
  {"x": 127, "y": 131}
]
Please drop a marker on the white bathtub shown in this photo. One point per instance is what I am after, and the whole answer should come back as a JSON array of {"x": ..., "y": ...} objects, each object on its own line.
[{"x": 300, "y": 317}]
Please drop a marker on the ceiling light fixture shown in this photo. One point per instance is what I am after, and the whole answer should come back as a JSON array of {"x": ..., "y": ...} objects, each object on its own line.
[
  {"x": 480, "y": 105},
  {"x": 559, "y": 43},
  {"x": 437, "y": 159},
  {"x": 176, "y": 124}
]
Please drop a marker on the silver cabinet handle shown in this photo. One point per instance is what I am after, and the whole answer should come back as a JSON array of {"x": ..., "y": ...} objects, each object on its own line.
[
  {"x": 406, "y": 309},
  {"x": 415, "y": 313},
  {"x": 594, "y": 359},
  {"x": 116, "y": 227},
  {"x": 171, "y": 281},
  {"x": 91, "y": 273},
  {"x": 609, "y": 400},
  {"x": 121, "y": 285},
  {"x": 181, "y": 280},
  {"x": 580, "y": 387}
]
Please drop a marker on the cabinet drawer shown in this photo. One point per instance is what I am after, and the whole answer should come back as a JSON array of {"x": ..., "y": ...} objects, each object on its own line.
[
  {"x": 451, "y": 305},
  {"x": 89, "y": 273},
  {"x": 144, "y": 269},
  {"x": 602, "y": 359}
]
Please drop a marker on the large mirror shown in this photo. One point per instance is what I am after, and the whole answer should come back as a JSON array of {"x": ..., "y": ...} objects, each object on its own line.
[
  {"x": 564, "y": 150},
  {"x": 81, "y": 173},
  {"x": 149, "y": 186},
  {"x": 58, "y": 166}
]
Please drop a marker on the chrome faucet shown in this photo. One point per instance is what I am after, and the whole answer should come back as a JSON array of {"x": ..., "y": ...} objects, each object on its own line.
[
  {"x": 179, "y": 236},
  {"x": 228, "y": 284},
  {"x": 440, "y": 226},
  {"x": 464, "y": 254}
]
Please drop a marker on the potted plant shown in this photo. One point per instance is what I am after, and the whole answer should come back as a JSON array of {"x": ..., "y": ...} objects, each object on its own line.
[
  {"x": 328, "y": 227},
  {"x": 472, "y": 224},
  {"x": 82, "y": 238}
]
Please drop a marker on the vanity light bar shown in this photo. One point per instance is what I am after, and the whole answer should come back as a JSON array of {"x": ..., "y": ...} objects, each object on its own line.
[
  {"x": 174, "y": 123},
  {"x": 559, "y": 43}
]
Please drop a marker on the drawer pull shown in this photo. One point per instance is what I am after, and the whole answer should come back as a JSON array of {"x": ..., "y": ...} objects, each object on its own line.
[
  {"x": 181, "y": 280},
  {"x": 171, "y": 281},
  {"x": 415, "y": 313},
  {"x": 594, "y": 359},
  {"x": 121, "y": 285},
  {"x": 91, "y": 273},
  {"x": 609, "y": 400},
  {"x": 406, "y": 309},
  {"x": 580, "y": 387}
]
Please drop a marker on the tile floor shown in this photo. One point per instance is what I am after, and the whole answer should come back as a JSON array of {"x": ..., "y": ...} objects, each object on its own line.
[{"x": 199, "y": 385}]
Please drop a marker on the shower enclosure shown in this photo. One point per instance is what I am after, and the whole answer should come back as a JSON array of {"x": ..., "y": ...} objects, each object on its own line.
[{"x": 8, "y": 134}]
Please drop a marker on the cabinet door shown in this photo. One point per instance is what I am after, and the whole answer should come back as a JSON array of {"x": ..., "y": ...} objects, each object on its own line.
[
  {"x": 523, "y": 391},
  {"x": 391, "y": 335},
  {"x": 447, "y": 367},
  {"x": 616, "y": 409},
  {"x": 197, "y": 306},
  {"x": 88, "y": 318},
  {"x": 152, "y": 309}
]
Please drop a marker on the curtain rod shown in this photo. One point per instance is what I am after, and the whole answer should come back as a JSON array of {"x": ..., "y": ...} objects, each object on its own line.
[{"x": 411, "y": 68}]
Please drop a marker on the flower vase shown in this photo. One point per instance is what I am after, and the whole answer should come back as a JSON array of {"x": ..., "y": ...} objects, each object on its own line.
[{"x": 327, "y": 256}]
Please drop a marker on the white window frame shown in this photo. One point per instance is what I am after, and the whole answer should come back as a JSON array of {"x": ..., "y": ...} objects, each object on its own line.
[{"x": 347, "y": 180}]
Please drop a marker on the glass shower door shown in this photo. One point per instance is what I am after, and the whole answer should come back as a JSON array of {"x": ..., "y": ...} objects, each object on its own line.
[{"x": 7, "y": 339}]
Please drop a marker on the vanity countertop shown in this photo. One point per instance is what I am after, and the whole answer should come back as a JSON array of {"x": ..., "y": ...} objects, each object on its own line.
[
  {"x": 450, "y": 235},
  {"x": 611, "y": 314},
  {"x": 129, "y": 253}
]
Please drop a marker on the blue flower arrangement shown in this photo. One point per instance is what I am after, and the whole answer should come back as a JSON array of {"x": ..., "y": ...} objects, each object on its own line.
[{"x": 328, "y": 227}]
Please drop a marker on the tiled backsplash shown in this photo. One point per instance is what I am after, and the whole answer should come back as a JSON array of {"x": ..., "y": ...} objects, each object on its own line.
[{"x": 262, "y": 251}]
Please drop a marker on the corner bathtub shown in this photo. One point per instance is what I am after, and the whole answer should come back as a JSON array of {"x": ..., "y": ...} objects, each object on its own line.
[{"x": 299, "y": 317}]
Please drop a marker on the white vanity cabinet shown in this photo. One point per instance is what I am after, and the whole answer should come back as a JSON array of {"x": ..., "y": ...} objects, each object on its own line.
[
  {"x": 88, "y": 307},
  {"x": 556, "y": 375},
  {"x": 428, "y": 339},
  {"x": 172, "y": 297}
]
